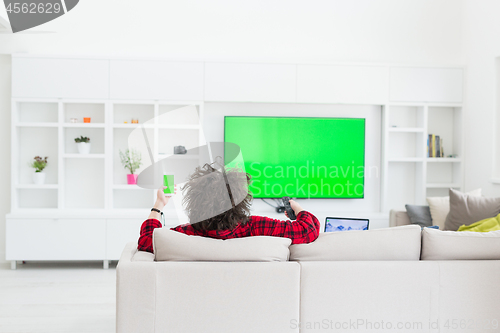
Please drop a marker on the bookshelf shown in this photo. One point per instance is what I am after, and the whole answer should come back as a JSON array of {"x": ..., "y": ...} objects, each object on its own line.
[
  {"x": 112, "y": 91},
  {"x": 409, "y": 175},
  {"x": 95, "y": 181}
]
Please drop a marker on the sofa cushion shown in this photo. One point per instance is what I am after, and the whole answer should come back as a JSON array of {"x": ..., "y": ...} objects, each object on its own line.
[
  {"x": 460, "y": 245},
  {"x": 419, "y": 215},
  {"x": 466, "y": 209},
  {"x": 440, "y": 207},
  {"x": 398, "y": 243},
  {"x": 143, "y": 256},
  {"x": 171, "y": 245}
]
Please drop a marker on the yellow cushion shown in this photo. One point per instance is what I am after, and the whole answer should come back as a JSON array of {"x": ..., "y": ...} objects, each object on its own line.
[{"x": 489, "y": 224}]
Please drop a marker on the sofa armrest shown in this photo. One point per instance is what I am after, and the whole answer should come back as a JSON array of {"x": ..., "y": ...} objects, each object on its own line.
[
  {"x": 398, "y": 218},
  {"x": 135, "y": 292}
]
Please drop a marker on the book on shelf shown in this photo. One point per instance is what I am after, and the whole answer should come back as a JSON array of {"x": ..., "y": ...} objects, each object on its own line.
[
  {"x": 438, "y": 146},
  {"x": 427, "y": 153},
  {"x": 441, "y": 146},
  {"x": 435, "y": 146}
]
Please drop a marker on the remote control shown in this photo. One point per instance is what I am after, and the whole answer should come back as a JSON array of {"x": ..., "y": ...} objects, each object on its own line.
[{"x": 288, "y": 208}]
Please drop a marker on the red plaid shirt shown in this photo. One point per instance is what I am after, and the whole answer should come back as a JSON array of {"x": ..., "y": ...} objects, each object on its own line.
[{"x": 304, "y": 230}]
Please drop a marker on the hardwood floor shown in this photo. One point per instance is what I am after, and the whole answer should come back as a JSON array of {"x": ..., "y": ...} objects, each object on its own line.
[{"x": 58, "y": 297}]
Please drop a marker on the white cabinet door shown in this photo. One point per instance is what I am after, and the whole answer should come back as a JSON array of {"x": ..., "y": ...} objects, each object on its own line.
[
  {"x": 228, "y": 82},
  {"x": 426, "y": 84},
  {"x": 119, "y": 232},
  {"x": 165, "y": 80},
  {"x": 60, "y": 78},
  {"x": 342, "y": 84},
  {"x": 51, "y": 239}
]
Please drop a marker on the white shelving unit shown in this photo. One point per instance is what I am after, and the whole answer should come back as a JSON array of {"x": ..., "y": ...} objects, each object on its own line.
[
  {"x": 89, "y": 192},
  {"x": 409, "y": 176},
  {"x": 96, "y": 180},
  {"x": 88, "y": 195}
]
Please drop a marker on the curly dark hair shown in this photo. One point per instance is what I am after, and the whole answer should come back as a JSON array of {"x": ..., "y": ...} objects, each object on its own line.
[{"x": 217, "y": 199}]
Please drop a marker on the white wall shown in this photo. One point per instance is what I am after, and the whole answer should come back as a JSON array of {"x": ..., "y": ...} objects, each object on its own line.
[
  {"x": 397, "y": 31},
  {"x": 481, "y": 47},
  {"x": 372, "y": 31},
  {"x": 5, "y": 75}
]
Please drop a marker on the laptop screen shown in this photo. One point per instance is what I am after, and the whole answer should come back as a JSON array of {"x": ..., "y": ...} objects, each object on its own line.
[{"x": 345, "y": 224}]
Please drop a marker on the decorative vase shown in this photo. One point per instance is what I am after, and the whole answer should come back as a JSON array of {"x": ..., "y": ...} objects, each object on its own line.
[
  {"x": 83, "y": 147},
  {"x": 132, "y": 179},
  {"x": 39, "y": 178}
]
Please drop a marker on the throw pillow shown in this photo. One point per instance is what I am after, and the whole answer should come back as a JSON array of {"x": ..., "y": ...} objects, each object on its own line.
[
  {"x": 440, "y": 207},
  {"x": 171, "y": 245},
  {"x": 466, "y": 209},
  {"x": 486, "y": 225},
  {"x": 419, "y": 215}
]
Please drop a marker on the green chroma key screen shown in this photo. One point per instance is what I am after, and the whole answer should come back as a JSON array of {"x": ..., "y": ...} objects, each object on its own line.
[{"x": 300, "y": 157}]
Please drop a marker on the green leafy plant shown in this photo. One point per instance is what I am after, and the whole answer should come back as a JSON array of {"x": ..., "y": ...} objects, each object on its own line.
[
  {"x": 131, "y": 160},
  {"x": 39, "y": 164},
  {"x": 82, "y": 139}
]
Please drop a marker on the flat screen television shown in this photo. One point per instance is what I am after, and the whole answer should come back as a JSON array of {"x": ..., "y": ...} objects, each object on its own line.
[{"x": 301, "y": 157}]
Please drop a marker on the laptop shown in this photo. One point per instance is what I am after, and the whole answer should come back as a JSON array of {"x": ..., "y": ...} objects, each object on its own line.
[{"x": 345, "y": 223}]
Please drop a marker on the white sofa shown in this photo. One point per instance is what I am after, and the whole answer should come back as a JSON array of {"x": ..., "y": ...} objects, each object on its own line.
[
  {"x": 384, "y": 286},
  {"x": 398, "y": 218}
]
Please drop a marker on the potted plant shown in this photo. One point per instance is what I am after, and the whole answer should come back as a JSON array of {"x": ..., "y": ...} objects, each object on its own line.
[
  {"x": 39, "y": 164},
  {"x": 131, "y": 160},
  {"x": 83, "y": 144}
]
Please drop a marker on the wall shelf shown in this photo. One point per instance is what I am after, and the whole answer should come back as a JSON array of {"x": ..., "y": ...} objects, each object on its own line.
[
  {"x": 133, "y": 126},
  {"x": 129, "y": 187},
  {"x": 84, "y": 125},
  {"x": 42, "y": 128},
  {"x": 443, "y": 185},
  {"x": 166, "y": 126},
  {"x": 422, "y": 176},
  {"x": 405, "y": 159},
  {"x": 406, "y": 129},
  {"x": 443, "y": 160},
  {"x": 40, "y": 124},
  {"x": 34, "y": 186},
  {"x": 84, "y": 156},
  {"x": 178, "y": 156}
]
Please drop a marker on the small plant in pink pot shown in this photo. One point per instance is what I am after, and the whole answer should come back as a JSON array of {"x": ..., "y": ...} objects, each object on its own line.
[{"x": 131, "y": 160}]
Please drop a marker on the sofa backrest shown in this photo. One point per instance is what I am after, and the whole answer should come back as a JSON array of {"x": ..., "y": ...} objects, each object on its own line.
[
  {"x": 398, "y": 218},
  {"x": 305, "y": 296},
  {"x": 171, "y": 245},
  {"x": 463, "y": 245},
  {"x": 398, "y": 243},
  {"x": 419, "y": 296}
]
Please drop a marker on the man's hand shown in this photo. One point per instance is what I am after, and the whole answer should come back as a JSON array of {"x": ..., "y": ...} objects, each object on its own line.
[
  {"x": 161, "y": 198},
  {"x": 295, "y": 206}
]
